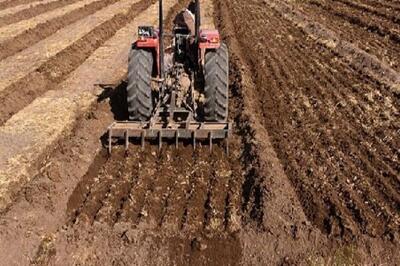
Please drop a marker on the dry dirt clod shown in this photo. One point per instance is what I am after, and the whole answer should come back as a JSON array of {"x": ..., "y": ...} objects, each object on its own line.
[{"x": 198, "y": 244}]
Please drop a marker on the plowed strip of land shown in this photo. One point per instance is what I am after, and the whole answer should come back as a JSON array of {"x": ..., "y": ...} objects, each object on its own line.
[
  {"x": 357, "y": 58},
  {"x": 10, "y": 31},
  {"x": 13, "y": 10},
  {"x": 323, "y": 128},
  {"x": 34, "y": 10},
  {"x": 36, "y": 128},
  {"x": 371, "y": 10},
  {"x": 305, "y": 81},
  {"x": 385, "y": 5},
  {"x": 378, "y": 25},
  {"x": 11, "y": 3},
  {"x": 43, "y": 30},
  {"x": 57, "y": 68},
  {"x": 18, "y": 66},
  {"x": 382, "y": 47}
]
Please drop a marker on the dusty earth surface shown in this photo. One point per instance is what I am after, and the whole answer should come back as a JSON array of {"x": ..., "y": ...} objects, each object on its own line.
[{"x": 313, "y": 173}]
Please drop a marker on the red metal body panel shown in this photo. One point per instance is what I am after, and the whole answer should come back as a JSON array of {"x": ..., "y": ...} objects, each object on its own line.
[
  {"x": 209, "y": 39},
  {"x": 152, "y": 44}
]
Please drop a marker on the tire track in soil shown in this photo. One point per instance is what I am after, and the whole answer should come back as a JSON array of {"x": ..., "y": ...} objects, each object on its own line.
[
  {"x": 33, "y": 11},
  {"x": 56, "y": 69},
  {"x": 44, "y": 30}
]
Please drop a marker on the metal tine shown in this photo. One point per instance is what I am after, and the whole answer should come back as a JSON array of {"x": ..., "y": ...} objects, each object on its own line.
[
  {"x": 227, "y": 146},
  {"x": 143, "y": 136},
  {"x": 177, "y": 139},
  {"x": 210, "y": 140},
  {"x": 159, "y": 140},
  {"x": 109, "y": 141},
  {"x": 127, "y": 140},
  {"x": 194, "y": 140}
]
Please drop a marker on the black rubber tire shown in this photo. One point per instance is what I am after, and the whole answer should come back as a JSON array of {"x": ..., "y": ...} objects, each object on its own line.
[
  {"x": 139, "y": 92},
  {"x": 216, "y": 86}
]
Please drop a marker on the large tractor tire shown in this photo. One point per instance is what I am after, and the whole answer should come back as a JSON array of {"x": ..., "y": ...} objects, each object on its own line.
[
  {"x": 139, "y": 92},
  {"x": 216, "y": 86}
]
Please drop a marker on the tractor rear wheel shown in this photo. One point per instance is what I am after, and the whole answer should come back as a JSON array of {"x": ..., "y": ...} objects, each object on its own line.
[
  {"x": 139, "y": 92},
  {"x": 216, "y": 87}
]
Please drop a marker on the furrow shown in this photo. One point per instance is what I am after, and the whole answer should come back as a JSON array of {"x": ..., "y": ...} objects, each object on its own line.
[
  {"x": 175, "y": 205},
  {"x": 140, "y": 196},
  {"x": 4, "y": 4},
  {"x": 218, "y": 193},
  {"x": 13, "y": 10},
  {"x": 118, "y": 192},
  {"x": 195, "y": 212},
  {"x": 43, "y": 30},
  {"x": 18, "y": 66},
  {"x": 56, "y": 69},
  {"x": 10, "y": 31},
  {"x": 33, "y": 10},
  {"x": 160, "y": 190},
  {"x": 125, "y": 211},
  {"x": 380, "y": 46}
]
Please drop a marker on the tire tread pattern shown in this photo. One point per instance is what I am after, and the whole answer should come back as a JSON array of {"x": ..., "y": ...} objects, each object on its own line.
[
  {"x": 216, "y": 87},
  {"x": 139, "y": 93}
]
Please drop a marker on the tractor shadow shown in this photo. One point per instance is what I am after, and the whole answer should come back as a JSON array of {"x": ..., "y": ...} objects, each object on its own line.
[
  {"x": 116, "y": 96},
  {"x": 117, "y": 99}
]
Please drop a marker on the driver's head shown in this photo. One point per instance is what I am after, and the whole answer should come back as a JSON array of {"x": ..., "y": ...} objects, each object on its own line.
[{"x": 192, "y": 7}]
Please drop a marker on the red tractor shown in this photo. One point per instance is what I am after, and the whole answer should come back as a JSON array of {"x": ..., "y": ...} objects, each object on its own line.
[{"x": 177, "y": 93}]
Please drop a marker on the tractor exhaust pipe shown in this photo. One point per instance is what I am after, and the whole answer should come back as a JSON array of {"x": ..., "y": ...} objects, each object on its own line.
[{"x": 161, "y": 39}]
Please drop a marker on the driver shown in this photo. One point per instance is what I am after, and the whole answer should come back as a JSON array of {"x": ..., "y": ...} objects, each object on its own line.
[{"x": 186, "y": 19}]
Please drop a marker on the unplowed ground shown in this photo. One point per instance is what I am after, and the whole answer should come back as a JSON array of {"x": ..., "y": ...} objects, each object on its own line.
[{"x": 313, "y": 171}]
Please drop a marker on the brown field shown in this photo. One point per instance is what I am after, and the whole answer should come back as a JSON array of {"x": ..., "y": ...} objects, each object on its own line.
[{"x": 313, "y": 176}]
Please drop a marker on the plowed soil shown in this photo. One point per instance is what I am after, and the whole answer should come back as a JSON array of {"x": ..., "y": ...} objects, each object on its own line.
[{"x": 313, "y": 173}]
